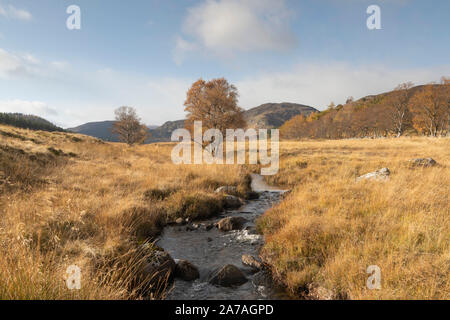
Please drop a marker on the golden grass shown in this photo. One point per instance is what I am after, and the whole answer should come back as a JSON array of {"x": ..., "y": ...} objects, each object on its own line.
[
  {"x": 70, "y": 199},
  {"x": 331, "y": 228}
]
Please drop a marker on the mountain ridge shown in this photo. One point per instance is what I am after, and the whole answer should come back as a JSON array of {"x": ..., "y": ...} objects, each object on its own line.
[{"x": 268, "y": 115}]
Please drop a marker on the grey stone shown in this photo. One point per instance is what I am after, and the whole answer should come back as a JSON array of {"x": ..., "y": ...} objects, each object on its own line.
[
  {"x": 186, "y": 271},
  {"x": 227, "y": 276},
  {"x": 381, "y": 174},
  {"x": 157, "y": 268},
  {"x": 231, "y": 223},
  {"x": 321, "y": 293},
  {"x": 232, "y": 202},
  {"x": 423, "y": 162},
  {"x": 226, "y": 189}
]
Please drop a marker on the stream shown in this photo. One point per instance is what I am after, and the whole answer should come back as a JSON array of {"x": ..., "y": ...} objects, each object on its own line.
[{"x": 210, "y": 249}]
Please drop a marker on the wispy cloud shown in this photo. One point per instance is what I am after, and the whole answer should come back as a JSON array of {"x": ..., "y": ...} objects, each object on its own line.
[
  {"x": 27, "y": 65},
  {"x": 12, "y": 64},
  {"x": 12, "y": 12},
  {"x": 27, "y": 107},
  {"x": 319, "y": 84},
  {"x": 82, "y": 96},
  {"x": 226, "y": 27}
]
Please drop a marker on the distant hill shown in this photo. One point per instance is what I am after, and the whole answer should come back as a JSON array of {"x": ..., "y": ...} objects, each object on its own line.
[
  {"x": 274, "y": 115},
  {"x": 164, "y": 132},
  {"x": 100, "y": 129},
  {"x": 26, "y": 121},
  {"x": 269, "y": 115}
]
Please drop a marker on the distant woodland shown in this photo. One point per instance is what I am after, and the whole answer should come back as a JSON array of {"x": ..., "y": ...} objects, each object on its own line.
[
  {"x": 27, "y": 122},
  {"x": 407, "y": 110}
]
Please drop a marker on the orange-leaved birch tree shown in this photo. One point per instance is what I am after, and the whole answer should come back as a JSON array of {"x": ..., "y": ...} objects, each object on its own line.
[
  {"x": 430, "y": 107},
  {"x": 215, "y": 103},
  {"x": 398, "y": 107}
]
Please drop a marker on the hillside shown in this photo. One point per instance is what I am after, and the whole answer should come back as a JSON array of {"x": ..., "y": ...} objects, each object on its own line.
[
  {"x": 26, "y": 121},
  {"x": 425, "y": 111},
  {"x": 100, "y": 129},
  {"x": 274, "y": 115},
  {"x": 164, "y": 132}
]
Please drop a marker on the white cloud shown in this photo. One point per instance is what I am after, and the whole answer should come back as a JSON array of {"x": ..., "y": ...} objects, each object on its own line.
[
  {"x": 318, "y": 85},
  {"x": 226, "y": 27},
  {"x": 59, "y": 65},
  {"x": 156, "y": 99},
  {"x": 82, "y": 96},
  {"x": 12, "y": 12},
  {"x": 170, "y": 94},
  {"x": 182, "y": 48},
  {"x": 26, "y": 65},
  {"x": 12, "y": 64},
  {"x": 27, "y": 107}
]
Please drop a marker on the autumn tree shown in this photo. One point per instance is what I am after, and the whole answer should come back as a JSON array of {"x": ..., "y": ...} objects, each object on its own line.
[
  {"x": 294, "y": 128},
  {"x": 431, "y": 109},
  {"x": 398, "y": 107},
  {"x": 215, "y": 103},
  {"x": 425, "y": 109},
  {"x": 129, "y": 127}
]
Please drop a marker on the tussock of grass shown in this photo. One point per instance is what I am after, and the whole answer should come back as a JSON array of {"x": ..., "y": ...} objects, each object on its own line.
[
  {"x": 331, "y": 228},
  {"x": 158, "y": 193},
  {"x": 197, "y": 205}
]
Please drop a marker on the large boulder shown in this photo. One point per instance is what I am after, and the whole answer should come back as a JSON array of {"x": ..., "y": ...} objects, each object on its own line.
[
  {"x": 226, "y": 189},
  {"x": 186, "y": 271},
  {"x": 252, "y": 262},
  {"x": 231, "y": 223},
  {"x": 422, "y": 162},
  {"x": 381, "y": 174},
  {"x": 227, "y": 276},
  {"x": 155, "y": 270},
  {"x": 232, "y": 202}
]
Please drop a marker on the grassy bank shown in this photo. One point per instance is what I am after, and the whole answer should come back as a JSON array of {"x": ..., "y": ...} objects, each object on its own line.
[
  {"x": 70, "y": 199},
  {"x": 322, "y": 238}
]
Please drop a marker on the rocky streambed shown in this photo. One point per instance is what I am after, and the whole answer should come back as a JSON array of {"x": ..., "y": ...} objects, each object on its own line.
[{"x": 218, "y": 258}]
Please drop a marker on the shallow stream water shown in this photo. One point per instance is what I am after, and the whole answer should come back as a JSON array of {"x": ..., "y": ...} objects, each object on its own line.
[{"x": 211, "y": 249}]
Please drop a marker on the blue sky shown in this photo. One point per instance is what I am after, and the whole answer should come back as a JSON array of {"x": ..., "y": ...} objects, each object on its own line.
[{"x": 147, "y": 53}]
